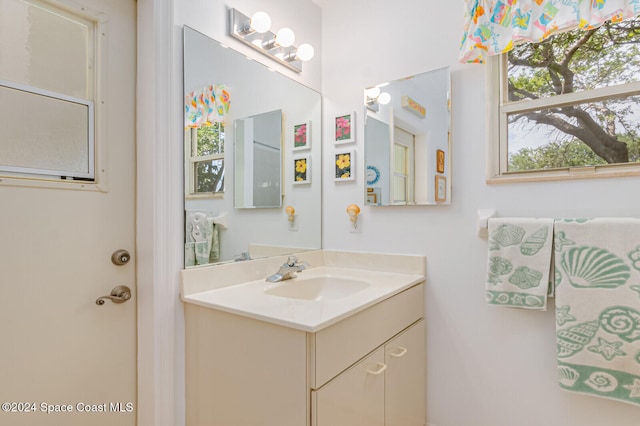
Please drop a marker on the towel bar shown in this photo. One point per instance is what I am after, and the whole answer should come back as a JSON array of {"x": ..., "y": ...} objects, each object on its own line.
[{"x": 483, "y": 221}]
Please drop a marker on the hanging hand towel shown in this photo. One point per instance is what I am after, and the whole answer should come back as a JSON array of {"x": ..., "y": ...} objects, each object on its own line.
[
  {"x": 519, "y": 262},
  {"x": 201, "y": 239},
  {"x": 597, "y": 265}
]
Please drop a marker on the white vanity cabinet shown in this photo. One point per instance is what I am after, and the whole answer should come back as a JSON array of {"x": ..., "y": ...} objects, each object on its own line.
[
  {"x": 385, "y": 388},
  {"x": 367, "y": 369}
]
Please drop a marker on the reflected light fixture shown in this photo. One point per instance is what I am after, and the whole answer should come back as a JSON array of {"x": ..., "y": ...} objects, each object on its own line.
[
  {"x": 255, "y": 31},
  {"x": 374, "y": 97}
]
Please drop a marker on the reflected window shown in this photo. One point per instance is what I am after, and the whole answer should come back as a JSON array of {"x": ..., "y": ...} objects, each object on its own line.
[
  {"x": 206, "y": 159},
  {"x": 569, "y": 104}
]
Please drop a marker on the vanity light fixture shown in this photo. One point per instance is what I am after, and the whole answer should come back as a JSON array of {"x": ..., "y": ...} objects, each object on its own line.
[
  {"x": 255, "y": 31},
  {"x": 375, "y": 97}
]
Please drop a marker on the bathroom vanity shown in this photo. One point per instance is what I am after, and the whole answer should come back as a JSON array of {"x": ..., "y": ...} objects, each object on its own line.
[{"x": 343, "y": 343}]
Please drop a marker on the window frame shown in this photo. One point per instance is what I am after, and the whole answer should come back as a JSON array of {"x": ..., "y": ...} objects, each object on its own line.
[
  {"x": 497, "y": 132},
  {"x": 192, "y": 160},
  {"x": 98, "y": 128}
]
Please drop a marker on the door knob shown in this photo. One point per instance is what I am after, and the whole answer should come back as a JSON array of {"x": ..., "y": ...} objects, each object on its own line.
[
  {"x": 119, "y": 294},
  {"x": 120, "y": 257}
]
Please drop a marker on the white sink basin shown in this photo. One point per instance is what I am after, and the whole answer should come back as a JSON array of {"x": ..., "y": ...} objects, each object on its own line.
[
  {"x": 314, "y": 288},
  {"x": 317, "y": 298}
]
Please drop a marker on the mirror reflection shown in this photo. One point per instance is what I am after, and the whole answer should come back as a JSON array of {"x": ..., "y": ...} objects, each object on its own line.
[
  {"x": 407, "y": 140},
  {"x": 247, "y": 131},
  {"x": 258, "y": 156}
]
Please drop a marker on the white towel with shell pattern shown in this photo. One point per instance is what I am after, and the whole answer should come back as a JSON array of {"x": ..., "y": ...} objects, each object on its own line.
[
  {"x": 519, "y": 262},
  {"x": 597, "y": 274}
]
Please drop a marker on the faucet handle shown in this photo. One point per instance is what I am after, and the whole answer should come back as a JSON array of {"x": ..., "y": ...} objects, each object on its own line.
[{"x": 292, "y": 260}]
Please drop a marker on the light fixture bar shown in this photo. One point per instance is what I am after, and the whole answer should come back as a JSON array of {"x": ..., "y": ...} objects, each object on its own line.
[{"x": 262, "y": 42}]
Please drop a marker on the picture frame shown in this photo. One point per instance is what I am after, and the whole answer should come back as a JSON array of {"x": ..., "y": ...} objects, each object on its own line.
[
  {"x": 344, "y": 126},
  {"x": 302, "y": 136},
  {"x": 372, "y": 196},
  {"x": 440, "y": 161},
  {"x": 344, "y": 165},
  {"x": 441, "y": 189},
  {"x": 301, "y": 169}
]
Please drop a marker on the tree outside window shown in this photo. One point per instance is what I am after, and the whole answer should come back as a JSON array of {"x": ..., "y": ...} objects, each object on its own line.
[
  {"x": 572, "y": 100},
  {"x": 206, "y": 159}
]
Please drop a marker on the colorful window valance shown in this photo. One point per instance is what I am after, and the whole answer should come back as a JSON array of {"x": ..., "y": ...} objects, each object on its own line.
[
  {"x": 493, "y": 26},
  {"x": 207, "y": 106}
]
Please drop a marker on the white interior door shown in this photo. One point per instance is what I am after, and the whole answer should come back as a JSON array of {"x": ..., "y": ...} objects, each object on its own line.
[{"x": 60, "y": 351}]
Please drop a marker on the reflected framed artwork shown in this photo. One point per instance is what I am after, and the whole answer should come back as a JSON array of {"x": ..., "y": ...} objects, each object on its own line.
[
  {"x": 344, "y": 162},
  {"x": 345, "y": 128},
  {"x": 302, "y": 170},
  {"x": 302, "y": 136},
  {"x": 440, "y": 161},
  {"x": 441, "y": 188}
]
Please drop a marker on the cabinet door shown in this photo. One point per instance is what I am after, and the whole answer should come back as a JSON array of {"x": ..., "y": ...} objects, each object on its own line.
[
  {"x": 355, "y": 397},
  {"x": 405, "y": 403}
]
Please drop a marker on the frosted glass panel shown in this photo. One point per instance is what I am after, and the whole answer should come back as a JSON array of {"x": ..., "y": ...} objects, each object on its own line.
[
  {"x": 47, "y": 48},
  {"x": 45, "y": 135}
]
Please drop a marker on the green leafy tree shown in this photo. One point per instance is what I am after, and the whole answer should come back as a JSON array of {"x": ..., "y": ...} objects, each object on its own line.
[{"x": 576, "y": 61}]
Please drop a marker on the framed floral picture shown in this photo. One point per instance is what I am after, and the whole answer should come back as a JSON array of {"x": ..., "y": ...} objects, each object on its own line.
[
  {"x": 345, "y": 128},
  {"x": 301, "y": 170},
  {"x": 302, "y": 136},
  {"x": 345, "y": 165},
  {"x": 441, "y": 189}
]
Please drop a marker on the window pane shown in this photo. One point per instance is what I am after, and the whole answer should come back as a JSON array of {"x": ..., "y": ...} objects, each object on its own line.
[
  {"x": 210, "y": 140},
  {"x": 44, "y": 135},
  {"x": 46, "y": 47},
  {"x": 575, "y": 61},
  {"x": 209, "y": 176},
  {"x": 587, "y": 134},
  {"x": 399, "y": 159}
]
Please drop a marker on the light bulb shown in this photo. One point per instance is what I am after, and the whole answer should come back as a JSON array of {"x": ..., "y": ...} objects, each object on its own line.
[
  {"x": 285, "y": 37},
  {"x": 372, "y": 92},
  {"x": 384, "y": 98},
  {"x": 305, "y": 52},
  {"x": 260, "y": 22}
]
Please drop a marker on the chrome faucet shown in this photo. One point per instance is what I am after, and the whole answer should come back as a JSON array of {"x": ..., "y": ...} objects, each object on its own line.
[{"x": 288, "y": 270}]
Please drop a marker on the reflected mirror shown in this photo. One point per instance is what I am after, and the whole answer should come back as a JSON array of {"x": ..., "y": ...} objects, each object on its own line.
[
  {"x": 407, "y": 140},
  {"x": 258, "y": 153},
  {"x": 246, "y": 130}
]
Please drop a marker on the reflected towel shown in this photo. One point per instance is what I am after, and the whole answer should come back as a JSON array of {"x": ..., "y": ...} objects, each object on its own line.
[
  {"x": 202, "y": 244},
  {"x": 519, "y": 261},
  {"x": 598, "y": 307}
]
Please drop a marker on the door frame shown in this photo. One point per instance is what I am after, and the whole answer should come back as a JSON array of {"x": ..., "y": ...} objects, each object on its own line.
[{"x": 159, "y": 216}]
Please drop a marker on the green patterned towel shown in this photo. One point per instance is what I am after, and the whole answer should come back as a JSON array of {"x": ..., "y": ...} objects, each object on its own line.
[
  {"x": 202, "y": 245},
  {"x": 597, "y": 273},
  {"x": 519, "y": 262}
]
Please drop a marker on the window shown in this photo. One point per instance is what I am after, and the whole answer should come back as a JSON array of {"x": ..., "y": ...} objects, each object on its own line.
[
  {"x": 47, "y": 90},
  {"x": 206, "y": 159},
  {"x": 568, "y": 106}
]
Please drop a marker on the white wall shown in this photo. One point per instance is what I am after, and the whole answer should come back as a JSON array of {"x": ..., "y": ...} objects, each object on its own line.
[{"x": 485, "y": 365}]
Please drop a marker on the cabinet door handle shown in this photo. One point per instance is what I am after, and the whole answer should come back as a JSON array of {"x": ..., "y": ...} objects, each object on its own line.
[
  {"x": 399, "y": 354},
  {"x": 381, "y": 367}
]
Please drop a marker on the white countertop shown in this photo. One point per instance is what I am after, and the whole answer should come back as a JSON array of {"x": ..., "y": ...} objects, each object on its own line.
[{"x": 250, "y": 300}]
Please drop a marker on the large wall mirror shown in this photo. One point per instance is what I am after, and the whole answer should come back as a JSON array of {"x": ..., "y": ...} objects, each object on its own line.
[
  {"x": 249, "y": 133},
  {"x": 408, "y": 140}
]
